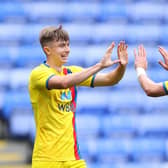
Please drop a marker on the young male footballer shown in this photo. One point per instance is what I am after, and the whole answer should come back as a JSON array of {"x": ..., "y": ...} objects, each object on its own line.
[{"x": 53, "y": 94}]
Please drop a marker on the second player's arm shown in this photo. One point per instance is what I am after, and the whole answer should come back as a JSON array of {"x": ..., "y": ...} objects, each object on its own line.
[{"x": 150, "y": 87}]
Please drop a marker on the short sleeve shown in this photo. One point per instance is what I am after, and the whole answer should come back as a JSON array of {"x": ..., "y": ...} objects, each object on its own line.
[
  {"x": 165, "y": 86},
  {"x": 88, "y": 82},
  {"x": 39, "y": 78}
]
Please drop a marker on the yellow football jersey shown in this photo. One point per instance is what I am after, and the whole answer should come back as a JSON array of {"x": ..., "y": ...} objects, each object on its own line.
[
  {"x": 165, "y": 86},
  {"x": 54, "y": 112}
]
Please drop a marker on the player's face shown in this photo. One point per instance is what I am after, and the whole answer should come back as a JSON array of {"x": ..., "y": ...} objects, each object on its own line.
[{"x": 59, "y": 51}]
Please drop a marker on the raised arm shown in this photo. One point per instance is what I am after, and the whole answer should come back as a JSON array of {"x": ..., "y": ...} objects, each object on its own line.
[
  {"x": 62, "y": 82},
  {"x": 113, "y": 77},
  {"x": 150, "y": 87}
]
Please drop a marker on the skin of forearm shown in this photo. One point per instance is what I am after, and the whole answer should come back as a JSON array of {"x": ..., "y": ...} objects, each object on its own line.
[
  {"x": 76, "y": 78},
  {"x": 148, "y": 86},
  {"x": 115, "y": 76}
]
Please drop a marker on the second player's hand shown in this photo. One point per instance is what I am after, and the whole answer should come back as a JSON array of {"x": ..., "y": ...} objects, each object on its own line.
[
  {"x": 140, "y": 58},
  {"x": 164, "y": 53},
  {"x": 106, "y": 61}
]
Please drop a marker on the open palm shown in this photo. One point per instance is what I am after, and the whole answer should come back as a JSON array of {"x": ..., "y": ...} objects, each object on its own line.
[
  {"x": 122, "y": 53},
  {"x": 106, "y": 61}
]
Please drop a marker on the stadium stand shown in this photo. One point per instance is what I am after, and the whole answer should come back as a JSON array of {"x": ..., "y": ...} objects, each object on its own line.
[{"x": 119, "y": 126}]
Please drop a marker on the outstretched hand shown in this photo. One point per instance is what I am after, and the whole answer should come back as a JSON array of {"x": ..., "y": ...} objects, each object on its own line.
[
  {"x": 164, "y": 53},
  {"x": 122, "y": 53},
  {"x": 140, "y": 58},
  {"x": 106, "y": 61}
]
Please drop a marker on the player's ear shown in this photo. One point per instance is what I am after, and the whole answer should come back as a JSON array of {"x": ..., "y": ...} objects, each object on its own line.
[{"x": 47, "y": 50}]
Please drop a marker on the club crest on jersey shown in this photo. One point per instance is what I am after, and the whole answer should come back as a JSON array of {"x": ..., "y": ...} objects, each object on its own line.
[{"x": 66, "y": 95}]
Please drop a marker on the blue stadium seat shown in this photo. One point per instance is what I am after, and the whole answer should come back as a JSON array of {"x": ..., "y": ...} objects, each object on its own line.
[
  {"x": 77, "y": 56},
  {"x": 4, "y": 79},
  {"x": 15, "y": 101},
  {"x": 44, "y": 12},
  {"x": 88, "y": 126},
  {"x": 9, "y": 35},
  {"x": 30, "y": 34},
  {"x": 79, "y": 33},
  {"x": 156, "y": 105},
  {"x": 32, "y": 130},
  {"x": 94, "y": 53},
  {"x": 132, "y": 103},
  {"x": 112, "y": 150},
  {"x": 129, "y": 80},
  {"x": 87, "y": 149},
  {"x": 119, "y": 125},
  {"x": 5, "y": 57},
  {"x": 1, "y": 103},
  {"x": 12, "y": 12},
  {"x": 146, "y": 12},
  {"x": 19, "y": 79},
  {"x": 153, "y": 56},
  {"x": 130, "y": 165},
  {"x": 165, "y": 17},
  {"x": 20, "y": 124},
  {"x": 153, "y": 125},
  {"x": 157, "y": 74},
  {"x": 142, "y": 34},
  {"x": 106, "y": 33},
  {"x": 92, "y": 102},
  {"x": 28, "y": 56},
  {"x": 112, "y": 12},
  {"x": 163, "y": 36},
  {"x": 20, "y": 33},
  {"x": 81, "y": 12},
  {"x": 145, "y": 149}
]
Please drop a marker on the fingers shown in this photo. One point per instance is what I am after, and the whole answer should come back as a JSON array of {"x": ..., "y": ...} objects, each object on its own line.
[
  {"x": 144, "y": 51},
  {"x": 135, "y": 54},
  {"x": 140, "y": 57},
  {"x": 122, "y": 46},
  {"x": 116, "y": 61},
  {"x": 140, "y": 50},
  {"x": 162, "y": 51},
  {"x": 110, "y": 48},
  {"x": 162, "y": 64}
]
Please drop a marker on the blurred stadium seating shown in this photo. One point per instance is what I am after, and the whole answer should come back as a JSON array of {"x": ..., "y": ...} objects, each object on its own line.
[{"x": 119, "y": 126}]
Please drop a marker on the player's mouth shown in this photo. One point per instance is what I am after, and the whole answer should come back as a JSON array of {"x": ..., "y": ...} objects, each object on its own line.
[{"x": 64, "y": 57}]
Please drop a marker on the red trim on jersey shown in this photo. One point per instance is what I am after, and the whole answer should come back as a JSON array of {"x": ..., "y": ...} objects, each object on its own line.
[
  {"x": 73, "y": 106},
  {"x": 75, "y": 139},
  {"x": 65, "y": 71},
  {"x": 77, "y": 156}
]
